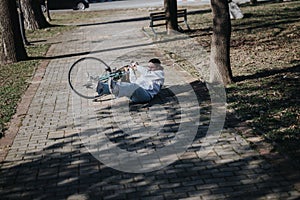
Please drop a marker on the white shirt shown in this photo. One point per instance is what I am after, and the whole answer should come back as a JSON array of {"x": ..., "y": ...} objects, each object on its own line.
[{"x": 151, "y": 81}]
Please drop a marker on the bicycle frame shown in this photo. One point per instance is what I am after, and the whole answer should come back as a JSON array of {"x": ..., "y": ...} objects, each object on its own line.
[{"x": 115, "y": 75}]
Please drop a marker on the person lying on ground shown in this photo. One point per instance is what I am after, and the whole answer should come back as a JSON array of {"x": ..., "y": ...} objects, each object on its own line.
[{"x": 140, "y": 89}]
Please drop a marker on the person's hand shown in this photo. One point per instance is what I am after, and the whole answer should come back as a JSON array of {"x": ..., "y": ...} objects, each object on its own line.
[
  {"x": 124, "y": 68},
  {"x": 134, "y": 65}
]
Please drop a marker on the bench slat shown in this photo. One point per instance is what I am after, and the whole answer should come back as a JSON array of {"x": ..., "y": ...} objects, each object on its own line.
[
  {"x": 159, "y": 16},
  {"x": 154, "y": 25}
]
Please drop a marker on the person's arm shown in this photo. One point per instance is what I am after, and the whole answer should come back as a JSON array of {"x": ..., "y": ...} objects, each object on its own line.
[
  {"x": 132, "y": 75},
  {"x": 142, "y": 70},
  {"x": 137, "y": 67}
]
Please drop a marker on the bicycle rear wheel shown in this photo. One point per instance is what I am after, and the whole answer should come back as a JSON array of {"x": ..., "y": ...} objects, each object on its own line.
[{"x": 84, "y": 75}]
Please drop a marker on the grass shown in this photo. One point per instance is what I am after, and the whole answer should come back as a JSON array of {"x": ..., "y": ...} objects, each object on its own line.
[
  {"x": 265, "y": 60},
  {"x": 12, "y": 85}
]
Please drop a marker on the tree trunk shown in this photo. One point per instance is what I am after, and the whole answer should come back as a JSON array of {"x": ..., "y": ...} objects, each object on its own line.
[
  {"x": 171, "y": 14},
  {"x": 11, "y": 45},
  {"x": 21, "y": 22},
  {"x": 48, "y": 17},
  {"x": 220, "y": 46},
  {"x": 33, "y": 15}
]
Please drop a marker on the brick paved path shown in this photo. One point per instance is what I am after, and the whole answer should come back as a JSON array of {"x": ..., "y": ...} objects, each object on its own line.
[{"x": 53, "y": 155}]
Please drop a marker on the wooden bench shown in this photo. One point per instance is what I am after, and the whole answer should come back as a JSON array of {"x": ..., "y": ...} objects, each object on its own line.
[{"x": 161, "y": 16}]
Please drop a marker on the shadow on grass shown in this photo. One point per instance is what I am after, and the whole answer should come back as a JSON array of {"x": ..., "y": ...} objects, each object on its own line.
[
  {"x": 268, "y": 99},
  {"x": 266, "y": 73},
  {"x": 271, "y": 105},
  {"x": 269, "y": 19}
]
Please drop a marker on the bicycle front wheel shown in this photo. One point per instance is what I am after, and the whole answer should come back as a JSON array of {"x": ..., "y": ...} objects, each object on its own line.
[{"x": 84, "y": 75}]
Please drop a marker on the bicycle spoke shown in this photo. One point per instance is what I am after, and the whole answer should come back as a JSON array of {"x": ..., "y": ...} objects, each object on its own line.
[{"x": 84, "y": 76}]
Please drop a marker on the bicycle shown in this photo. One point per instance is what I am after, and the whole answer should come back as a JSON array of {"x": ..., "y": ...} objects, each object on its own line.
[{"x": 85, "y": 73}]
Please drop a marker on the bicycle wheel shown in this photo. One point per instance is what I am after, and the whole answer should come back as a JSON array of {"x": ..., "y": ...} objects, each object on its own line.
[{"x": 84, "y": 75}]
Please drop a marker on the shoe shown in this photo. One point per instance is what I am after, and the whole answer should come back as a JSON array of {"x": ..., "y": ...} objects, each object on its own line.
[
  {"x": 99, "y": 88},
  {"x": 113, "y": 87}
]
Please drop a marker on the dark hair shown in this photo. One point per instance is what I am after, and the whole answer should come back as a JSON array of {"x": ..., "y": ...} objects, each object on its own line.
[{"x": 155, "y": 61}]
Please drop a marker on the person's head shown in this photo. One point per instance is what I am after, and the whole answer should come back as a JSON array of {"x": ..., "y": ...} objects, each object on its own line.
[{"x": 154, "y": 64}]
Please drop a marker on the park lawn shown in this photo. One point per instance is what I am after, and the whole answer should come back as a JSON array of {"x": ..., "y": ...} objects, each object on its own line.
[{"x": 265, "y": 58}]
